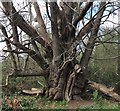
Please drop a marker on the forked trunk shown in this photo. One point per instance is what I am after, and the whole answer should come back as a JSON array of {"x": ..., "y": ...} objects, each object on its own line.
[
  {"x": 65, "y": 79},
  {"x": 64, "y": 73},
  {"x": 66, "y": 82}
]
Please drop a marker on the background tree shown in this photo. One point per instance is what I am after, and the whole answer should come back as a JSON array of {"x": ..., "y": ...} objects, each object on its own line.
[
  {"x": 103, "y": 66},
  {"x": 75, "y": 30}
]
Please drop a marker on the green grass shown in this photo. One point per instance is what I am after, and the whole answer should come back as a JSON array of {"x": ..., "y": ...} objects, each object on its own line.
[
  {"x": 37, "y": 102},
  {"x": 100, "y": 103},
  {"x": 103, "y": 105}
]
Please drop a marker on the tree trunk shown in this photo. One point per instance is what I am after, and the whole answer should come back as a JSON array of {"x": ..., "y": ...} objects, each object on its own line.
[
  {"x": 67, "y": 79},
  {"x": 63, "y": 71}
]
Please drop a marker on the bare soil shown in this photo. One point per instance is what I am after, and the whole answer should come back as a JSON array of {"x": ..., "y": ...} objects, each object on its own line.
[{"x": 73, "y": 104}]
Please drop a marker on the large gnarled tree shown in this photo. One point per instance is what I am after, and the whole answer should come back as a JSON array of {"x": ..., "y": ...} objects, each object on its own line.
[{"x": 65, "y": 75}]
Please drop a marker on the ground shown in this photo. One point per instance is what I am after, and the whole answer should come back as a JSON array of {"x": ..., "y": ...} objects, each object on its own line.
[
  {"x": 38, "y": 102},
  {"x": 73, "y": 104}
]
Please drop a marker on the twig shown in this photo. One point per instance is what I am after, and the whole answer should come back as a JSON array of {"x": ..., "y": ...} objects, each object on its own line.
[{"x": 40, "y": 83}]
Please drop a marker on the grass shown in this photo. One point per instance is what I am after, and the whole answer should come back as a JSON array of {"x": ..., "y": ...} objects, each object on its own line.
[
  {"x": 102, "y": 105},
  {"x": 36, "y": 102}
]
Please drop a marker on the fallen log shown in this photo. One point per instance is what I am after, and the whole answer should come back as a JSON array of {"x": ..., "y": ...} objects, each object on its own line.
[
  {"x": 33, "y": 91},
  {"x": 104, "y": 89}
]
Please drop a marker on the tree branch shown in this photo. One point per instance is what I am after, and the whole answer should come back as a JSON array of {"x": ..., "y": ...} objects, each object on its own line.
[
  {"x": 85, "y": 30},
  {"x": 37, "y": 57},
  {"x": 42, "y": 29},
  {"x": 47, "y": 10},
  {"x": 23, "y": 25},
  {"x": 80, "y": 17},
  {"x": 8, "y": 45},
  {"x": 27, "y": 73},
  {"x": 83, "y": 13},
  {"x": 107, "y": 42},
  {"x": 19, "y": 73},
  {"x": 88, "y": 51}
]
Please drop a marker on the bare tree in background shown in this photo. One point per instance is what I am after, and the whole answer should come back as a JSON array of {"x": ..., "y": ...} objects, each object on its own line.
[{"x": 75, "y": 30}]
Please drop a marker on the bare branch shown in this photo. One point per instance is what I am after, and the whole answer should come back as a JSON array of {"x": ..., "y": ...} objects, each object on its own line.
[
  {"x": 107, "y": 42},
  {"x": 37, "y": 57},
  {"x": 47, "y": 10},
  {"x": 42, "y": 29},
  {"x": 71, "y": 8},
  {"x": 83, "y": 13},
  {"x": 108, "y": 58},
  {"x": 27, "y": 73},
  {"x": 19, "y": 73},
  {"x": 86, "y": 29},
  {"x": 88, "y": 51},
  {"x": 23, "y": 25},
  {"x": 8, "y": 45}
]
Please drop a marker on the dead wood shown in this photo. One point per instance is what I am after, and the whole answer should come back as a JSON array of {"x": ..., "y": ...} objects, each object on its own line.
[
  {"x": 19, "y": 73},
  {"x": 104, "y": 89},
  {"x": 71, "y": 82},
  {"x": 33, "y": 91}
]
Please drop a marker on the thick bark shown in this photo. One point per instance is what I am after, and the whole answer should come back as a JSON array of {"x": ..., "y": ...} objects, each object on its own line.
[
  {"x": 69, "y": 10},
  {"x": 60, "y": 68},
  {"x": 57, "y": 57},
  {"x": 71, "y": 82},
  {"x": 64, "y": 74},
  {"x": 63, "y": 71}
]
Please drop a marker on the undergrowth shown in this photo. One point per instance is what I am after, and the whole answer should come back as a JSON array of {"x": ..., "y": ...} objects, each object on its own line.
[{"x": 34, "y": 103}]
